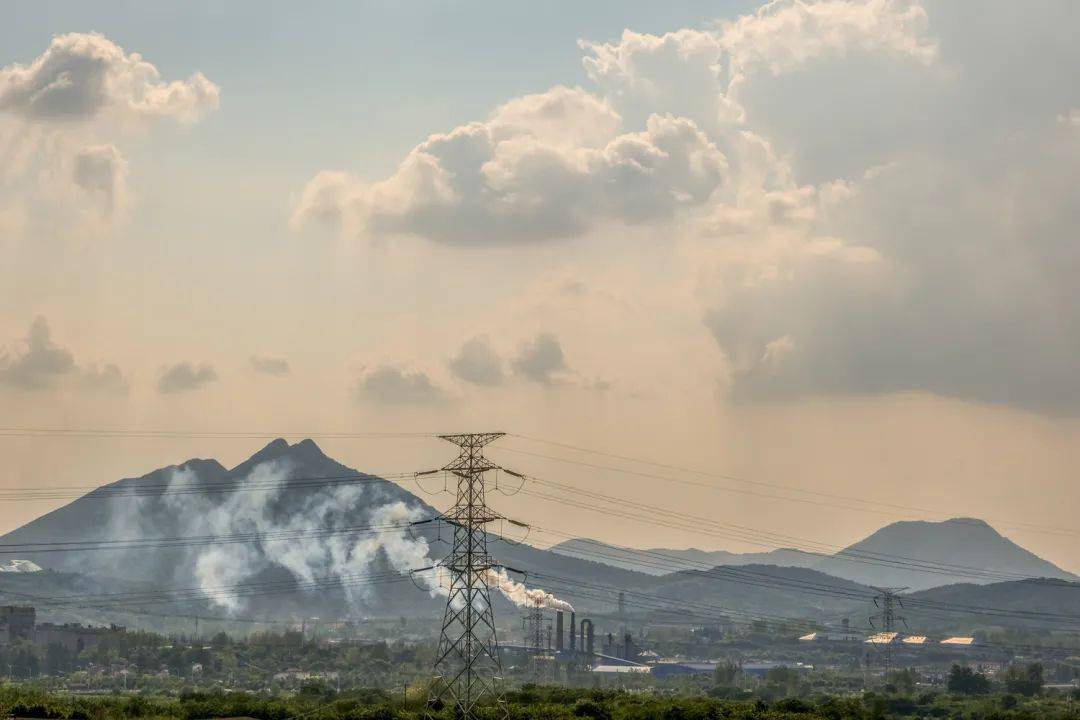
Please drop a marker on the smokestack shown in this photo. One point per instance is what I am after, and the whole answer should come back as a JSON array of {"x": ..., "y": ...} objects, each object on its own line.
[
  {"x": 587, "y": 636},
  {"x": 573, "y": 630},
  {"x": 558, "y": 631}
]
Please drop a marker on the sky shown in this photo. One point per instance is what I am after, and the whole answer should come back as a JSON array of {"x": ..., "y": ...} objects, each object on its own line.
[{"x": 826, "y": 245}]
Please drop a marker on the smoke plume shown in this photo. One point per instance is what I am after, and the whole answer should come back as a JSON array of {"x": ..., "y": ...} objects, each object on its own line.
[
  {"x": 333, "y": 535},
  {"x": 522, "y": 596}
]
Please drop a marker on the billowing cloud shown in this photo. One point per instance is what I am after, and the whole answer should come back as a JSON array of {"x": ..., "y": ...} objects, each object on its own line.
[
  {"x": 785, "y": 34},
  {"x": 540, "y": 359},
  {"x": 945, "y": 267},
  {"x": 390, "y": 385},
  {"x": 82, "y": 76},
  {"x": 62, "y": 117},
  {"x": 185, "y": 377},
  {"x": 270, "y": 365},
  {"x": 478, "y": 362},
  {"x": 39, "y": 363},
  {"x": 516, "y": 178},
  {"x": 697, "y": 73}
]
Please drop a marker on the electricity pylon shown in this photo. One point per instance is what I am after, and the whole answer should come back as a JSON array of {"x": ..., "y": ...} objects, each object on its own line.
[
  {"x": 886, "y": 600},
  {"x": 468, "y": 668}
]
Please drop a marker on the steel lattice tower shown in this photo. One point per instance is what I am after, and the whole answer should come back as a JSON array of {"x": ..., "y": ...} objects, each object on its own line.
[
  {"x": 468, "y": 668},
  {"x": 534, "y": 627},
  {"x": 888, "y": 597}
]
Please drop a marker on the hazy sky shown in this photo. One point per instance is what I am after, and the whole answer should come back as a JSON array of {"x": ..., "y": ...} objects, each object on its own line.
[{"x": 827, "y": 245}]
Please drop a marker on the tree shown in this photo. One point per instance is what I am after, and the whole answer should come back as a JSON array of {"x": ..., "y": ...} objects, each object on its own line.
[
  {"x": 726, "y": 674},
  {"x": 903, "y": 680},
  {"x": 1026, "y": 680},
  {"x": 965, "y": 681}
]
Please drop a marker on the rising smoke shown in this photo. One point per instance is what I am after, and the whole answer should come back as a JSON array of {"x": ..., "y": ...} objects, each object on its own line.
[
  {"x": 309, "y": 534},
  {"x": 327, "y": 535},
  {"x": 522, "y": 596}
]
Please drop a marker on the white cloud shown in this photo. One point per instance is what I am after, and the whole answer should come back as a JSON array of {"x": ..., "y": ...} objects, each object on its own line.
[
  {"x": 62, "y": 116},
  {"x": 786, "y": 34},
  {"x": 82, "y": 76},
  {"x": 515, "y": 179}
]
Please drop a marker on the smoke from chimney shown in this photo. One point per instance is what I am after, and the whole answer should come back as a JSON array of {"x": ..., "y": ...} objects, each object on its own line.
[{"x": 522, "y": 596}]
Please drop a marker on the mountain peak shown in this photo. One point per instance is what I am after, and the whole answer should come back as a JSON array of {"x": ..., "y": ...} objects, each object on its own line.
[
  {"x": 308, "y": 448},
  {"x": 967, "y": 521}
]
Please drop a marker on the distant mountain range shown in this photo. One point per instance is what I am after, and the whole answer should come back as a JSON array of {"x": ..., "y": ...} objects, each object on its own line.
[
  {"x": 291, "y": 533},
  {"x": 913, "y": 554}
]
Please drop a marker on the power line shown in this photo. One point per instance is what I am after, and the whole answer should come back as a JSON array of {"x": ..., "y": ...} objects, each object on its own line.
[
  {"x": 683, "y": 521},
  {"x": 744, "y": 576},
  {"x": 199, "y": 434},
  {"x": 723, "y": 476}
]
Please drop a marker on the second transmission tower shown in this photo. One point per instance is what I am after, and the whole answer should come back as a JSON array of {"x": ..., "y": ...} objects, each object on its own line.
[{"x": 886, "y": 601}]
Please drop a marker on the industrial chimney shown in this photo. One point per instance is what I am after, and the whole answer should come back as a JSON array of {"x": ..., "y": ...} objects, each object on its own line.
[{"x": 558, "y": 631}]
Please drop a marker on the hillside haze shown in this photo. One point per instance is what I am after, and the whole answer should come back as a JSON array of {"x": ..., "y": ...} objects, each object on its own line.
[
  {"x": 914, "y": 554},
  {"x": 291, "y": 532}
]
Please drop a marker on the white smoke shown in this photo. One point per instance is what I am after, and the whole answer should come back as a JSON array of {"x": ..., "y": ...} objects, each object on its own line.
[
  {"x": 522, "y": 596},
  {"x": 332, "y": 535},
  {"x": 315, "y": 542}
]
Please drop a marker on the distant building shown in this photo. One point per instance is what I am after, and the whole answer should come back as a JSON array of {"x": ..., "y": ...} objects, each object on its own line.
[
  {"x": 882, "y": 638},
  {"x": 670, "y": 669},
  {"x": 74, "y": 637},
  {"x": 16, "y": 623},
  {"x": 621, "y": 669},
  {"x": 958, "y": 643}
]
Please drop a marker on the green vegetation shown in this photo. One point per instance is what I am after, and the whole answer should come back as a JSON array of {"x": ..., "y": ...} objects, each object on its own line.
[{"x": 534, "y": 703}]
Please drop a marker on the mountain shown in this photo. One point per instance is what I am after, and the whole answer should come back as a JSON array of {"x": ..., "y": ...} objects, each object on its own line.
[
  {"x": 1028, "y": 603},
  {"x": 291, "y": 533},
  {"x": 913, "y": 554},
  {"x": 277, "y": 523},
  {"x": 767, "y": 590},
  {"x": 919, "y": 554},
  {"x": 662, "y": 561}
]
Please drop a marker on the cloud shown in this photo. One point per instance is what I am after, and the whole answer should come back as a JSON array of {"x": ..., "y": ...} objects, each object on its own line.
[
  {"x": 478, "y": 362},
  {"x": 540, "y": 359},
  {"x": 63, "y": 116},
  {"x": 101, "y": 172},
  {"x": 184, "y": 377},
  {"x": 786, "y": 34},
  {"x": 698, "y": 73},
  {"x": 83, "y": 76},
  {"x": 389, "y": 385},
  {"x": 559, "y": 164},
  {"x": 107, "y": 379},
  {"x": 543, "y": 167},
  {"x": 941, "y": 268},
  {"x": 856, "y": 212},
  {"x": 270, "y": 365},
  {"x": 39, "y": 363}
]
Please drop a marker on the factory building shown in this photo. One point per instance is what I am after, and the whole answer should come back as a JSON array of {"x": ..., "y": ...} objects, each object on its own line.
[{"x": 16, "y": 623}]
